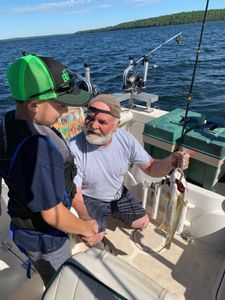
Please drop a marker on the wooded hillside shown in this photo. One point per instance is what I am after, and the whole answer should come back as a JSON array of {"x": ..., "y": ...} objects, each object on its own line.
[{"x": 174, "y": 19}]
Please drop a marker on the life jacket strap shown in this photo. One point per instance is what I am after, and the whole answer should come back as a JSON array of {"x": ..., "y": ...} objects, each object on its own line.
[{"x": 28, "y": 262}]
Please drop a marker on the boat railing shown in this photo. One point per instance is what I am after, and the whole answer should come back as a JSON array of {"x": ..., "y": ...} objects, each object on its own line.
[{"x": 136, "y": 100}]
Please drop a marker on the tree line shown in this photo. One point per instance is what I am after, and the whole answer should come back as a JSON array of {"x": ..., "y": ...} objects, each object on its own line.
[{"x": 173, "y": 19}]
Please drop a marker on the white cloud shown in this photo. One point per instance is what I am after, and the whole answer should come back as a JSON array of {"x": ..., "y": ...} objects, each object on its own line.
[
  {"x": 86, "y": 9},
  {"x": 142, "y": 2},
  {"x": 50, "y": 7}
]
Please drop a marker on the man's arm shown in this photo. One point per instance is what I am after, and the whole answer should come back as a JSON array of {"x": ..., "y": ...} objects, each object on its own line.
[
  {"x": 79, "y": 206},
  {"x": 61, "y": 218},
  {"x": 161, "y": 167}
]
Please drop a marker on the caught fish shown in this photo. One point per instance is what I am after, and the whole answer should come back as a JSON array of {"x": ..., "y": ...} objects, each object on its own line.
[{"x": 175, "y": 196}]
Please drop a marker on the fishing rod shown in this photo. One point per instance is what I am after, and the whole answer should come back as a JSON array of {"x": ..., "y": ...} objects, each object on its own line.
[
  {"x": 133, "y": 82},
  {"x": 177, "y": 37},
  {"x": 189, "y": 98}
]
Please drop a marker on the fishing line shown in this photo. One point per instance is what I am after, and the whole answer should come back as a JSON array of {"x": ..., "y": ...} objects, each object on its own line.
[
  {"x": 220, "y": 285},
  {"x": 189, "y": 98}
]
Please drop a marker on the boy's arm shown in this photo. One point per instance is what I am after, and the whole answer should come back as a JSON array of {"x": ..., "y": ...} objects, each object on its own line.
[{"x": 61, "y": 218}]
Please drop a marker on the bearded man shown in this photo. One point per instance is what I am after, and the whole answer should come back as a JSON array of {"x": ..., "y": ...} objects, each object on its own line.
[{"x": 103, "y": 153}]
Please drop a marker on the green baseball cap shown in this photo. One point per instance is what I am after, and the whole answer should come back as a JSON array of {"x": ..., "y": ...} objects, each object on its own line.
[{"x": 33, "y": 77}]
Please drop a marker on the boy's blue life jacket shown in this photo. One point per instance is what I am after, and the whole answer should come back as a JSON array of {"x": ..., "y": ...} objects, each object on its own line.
[{"x": 29, "y": 231}]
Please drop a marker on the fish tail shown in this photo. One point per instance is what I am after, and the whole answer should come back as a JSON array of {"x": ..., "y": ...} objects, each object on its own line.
[
  {"x": 163, "y": 227},
  {"x": 167, "y": 245}
]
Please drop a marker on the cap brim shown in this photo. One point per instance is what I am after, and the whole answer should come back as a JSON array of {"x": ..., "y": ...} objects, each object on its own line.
[{"x": 77, "y": 97}]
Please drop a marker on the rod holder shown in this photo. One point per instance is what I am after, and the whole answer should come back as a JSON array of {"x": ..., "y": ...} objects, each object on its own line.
[
  {"x": 131, "y": 61},
  {"x": 156, "y": 198},
  {"x": 145, "y": 69},
  {"x": 87, "y": 72}
]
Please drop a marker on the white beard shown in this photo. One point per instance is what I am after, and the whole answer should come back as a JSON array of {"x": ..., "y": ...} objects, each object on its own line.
[{"x": 97, "y": 138}]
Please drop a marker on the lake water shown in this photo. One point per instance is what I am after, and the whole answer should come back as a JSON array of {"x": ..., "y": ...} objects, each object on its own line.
[{"x": 108, "y": 53}]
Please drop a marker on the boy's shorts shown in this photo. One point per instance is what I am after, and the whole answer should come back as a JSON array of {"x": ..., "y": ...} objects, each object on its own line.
[{"x": 128, "y": 209}]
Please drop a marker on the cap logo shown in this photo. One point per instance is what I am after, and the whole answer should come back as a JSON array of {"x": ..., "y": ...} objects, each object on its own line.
[{"x": 65, "y": 75}]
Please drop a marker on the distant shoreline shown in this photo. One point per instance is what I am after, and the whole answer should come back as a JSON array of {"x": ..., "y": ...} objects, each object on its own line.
[
  {"x": 166, "y": 20},
  {"x": 34, "y": 36},
  {"x": 173, "y": 19}
]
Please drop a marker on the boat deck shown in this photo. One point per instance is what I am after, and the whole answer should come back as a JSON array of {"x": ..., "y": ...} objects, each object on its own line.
[{"x": 188, "y": 270}]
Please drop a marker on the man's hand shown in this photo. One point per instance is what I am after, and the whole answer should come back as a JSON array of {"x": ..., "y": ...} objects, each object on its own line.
[
  {"x": 179, "y": 159},
  {"x": 95, "y": 238}
]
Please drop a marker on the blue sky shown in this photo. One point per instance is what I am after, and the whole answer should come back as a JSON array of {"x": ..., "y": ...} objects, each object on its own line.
[{"x": 20, "y": 18}]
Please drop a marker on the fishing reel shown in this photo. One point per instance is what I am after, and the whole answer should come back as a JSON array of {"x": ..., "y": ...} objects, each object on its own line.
[
  {"x": 84, "y": 82},
  {"x": 132, "y": 81},
  {"x": 85, "y": 85}
]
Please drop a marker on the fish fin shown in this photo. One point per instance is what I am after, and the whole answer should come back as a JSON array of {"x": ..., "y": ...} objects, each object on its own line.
[{"x": 165, "y": 196}]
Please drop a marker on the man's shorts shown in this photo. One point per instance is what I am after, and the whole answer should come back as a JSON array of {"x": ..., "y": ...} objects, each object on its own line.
[{"x": 128, "y": 209}]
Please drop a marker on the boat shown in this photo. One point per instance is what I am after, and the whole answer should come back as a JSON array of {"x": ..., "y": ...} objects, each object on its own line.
[{"x": 133, "y": 264}]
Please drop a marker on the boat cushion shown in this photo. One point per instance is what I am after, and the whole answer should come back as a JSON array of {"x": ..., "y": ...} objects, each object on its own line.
[{"x": 100, "y": 275}]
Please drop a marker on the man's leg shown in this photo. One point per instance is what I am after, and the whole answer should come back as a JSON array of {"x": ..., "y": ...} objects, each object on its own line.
[{"x": 129, "y": 209}]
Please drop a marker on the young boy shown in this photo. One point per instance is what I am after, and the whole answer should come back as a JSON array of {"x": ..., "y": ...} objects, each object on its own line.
[{"x": 37, "y": 165}]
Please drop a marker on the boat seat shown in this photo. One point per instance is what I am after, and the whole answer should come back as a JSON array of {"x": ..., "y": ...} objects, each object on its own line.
[
  {"x": 14, "y": 283},
  {"x": 97, "y": 274}
]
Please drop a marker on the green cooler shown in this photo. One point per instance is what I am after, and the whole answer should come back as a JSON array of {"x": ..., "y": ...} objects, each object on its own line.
[
  {"x": 207, "y": 164},
  {"x": 162, "y": 135}
]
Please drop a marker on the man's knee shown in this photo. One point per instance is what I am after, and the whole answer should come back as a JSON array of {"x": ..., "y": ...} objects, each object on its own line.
[{"x": 141, "y": 222}]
